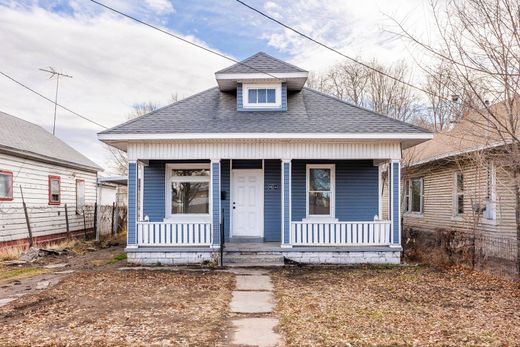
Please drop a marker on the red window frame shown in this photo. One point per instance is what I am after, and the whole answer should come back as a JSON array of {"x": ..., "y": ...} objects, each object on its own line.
[
  {"x": 8, "y": 173},
  {"x": 52, "y": 178}
]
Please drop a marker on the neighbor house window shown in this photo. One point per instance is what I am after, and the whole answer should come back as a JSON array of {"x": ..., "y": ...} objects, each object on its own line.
[
  {"x": 414, "y": 195},
  {"x": 320, "y": 190},
  {"x": 490, "y": 212},
  {"x": 189, "y": 186},
  {"x": 458, "y": 196},
  {"x": 80, "y": 196},
  {"x": 261, "y": 96},
  {"x": 54, "y": 190},
  {"x": 6, "y": 185}
]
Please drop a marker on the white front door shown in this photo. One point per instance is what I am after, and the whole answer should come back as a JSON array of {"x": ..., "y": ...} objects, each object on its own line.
[{"x": 247, "y": 203}]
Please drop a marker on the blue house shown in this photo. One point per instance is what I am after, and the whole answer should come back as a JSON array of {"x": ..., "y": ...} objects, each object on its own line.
[{"x": 284, "y": 170}]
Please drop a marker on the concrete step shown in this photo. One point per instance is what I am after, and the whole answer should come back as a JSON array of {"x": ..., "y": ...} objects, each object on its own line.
[
  {"x": 277, "y": 264},
  {"x": 251, "y": 258}
]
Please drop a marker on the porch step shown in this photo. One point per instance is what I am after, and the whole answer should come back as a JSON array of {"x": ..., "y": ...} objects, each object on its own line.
[{"x": 252, "y": 259}]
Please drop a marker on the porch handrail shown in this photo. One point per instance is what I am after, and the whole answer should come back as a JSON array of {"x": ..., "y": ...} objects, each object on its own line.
[
  {"x": 358, "y": 233},
  {"x": 174, "y": 234}
]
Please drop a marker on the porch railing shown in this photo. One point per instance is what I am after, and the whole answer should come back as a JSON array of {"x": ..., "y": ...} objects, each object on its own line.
[
  {"x": 341, "y": 233},
  {"x": 173, "y": 234}
]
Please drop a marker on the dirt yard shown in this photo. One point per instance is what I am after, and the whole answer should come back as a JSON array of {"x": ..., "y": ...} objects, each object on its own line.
[
  {"x": 116, "y": 308},
  {"x": 396, "y": 306}
]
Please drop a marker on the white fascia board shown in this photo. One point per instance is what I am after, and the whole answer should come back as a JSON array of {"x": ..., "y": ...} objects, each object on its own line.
[
  {"x": 264, "y": 136},
  {"x": 260, "y": 75}
]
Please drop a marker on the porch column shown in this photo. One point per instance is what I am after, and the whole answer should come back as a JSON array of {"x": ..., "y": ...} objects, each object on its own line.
[
  {"x": 215, "y": 202},
  {"x": 286, "y": 203},
  {"x": 395, "y": 206},
  {"x": 132, "y": 205}
]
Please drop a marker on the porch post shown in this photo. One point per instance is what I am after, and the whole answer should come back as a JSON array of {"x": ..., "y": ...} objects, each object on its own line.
[
  {"x": 395, "y": 208},
  {"x": 286, "y": 203},
  {"x": 132, "y": 205},
  {"x": 215, "y": 202}
]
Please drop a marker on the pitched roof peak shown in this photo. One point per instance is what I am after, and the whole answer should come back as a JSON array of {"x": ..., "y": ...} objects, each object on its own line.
[{"x": 261, "y": 62}]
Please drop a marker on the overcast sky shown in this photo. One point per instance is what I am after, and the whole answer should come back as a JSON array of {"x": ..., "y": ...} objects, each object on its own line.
[{"x": 116, "y": 63}]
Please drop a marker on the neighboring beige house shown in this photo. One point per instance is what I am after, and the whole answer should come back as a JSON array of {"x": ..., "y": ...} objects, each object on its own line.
[
  {"x": 51, "y": 175},
  {"x": 458, "y": 201}
]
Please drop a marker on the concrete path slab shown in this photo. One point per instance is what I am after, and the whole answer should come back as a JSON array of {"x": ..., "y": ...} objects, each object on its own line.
[
  {"x": 252, "y": 302},
  {"x": 5, "y": 301},
  {"x": 254, "y": 282},
  {"x": 248, "y": 272},
  {"x": 255, "y": 332}
]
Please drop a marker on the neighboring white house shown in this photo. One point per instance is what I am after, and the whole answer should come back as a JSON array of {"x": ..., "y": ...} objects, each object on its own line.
[
  {"x": 51, "y": 175},
  {"x": 112, "y": 190}
]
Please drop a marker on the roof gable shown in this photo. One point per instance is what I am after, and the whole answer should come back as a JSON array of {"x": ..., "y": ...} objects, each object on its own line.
[
  {"x": 260, "y": 62},
  {"x": 26, "y": 138}
]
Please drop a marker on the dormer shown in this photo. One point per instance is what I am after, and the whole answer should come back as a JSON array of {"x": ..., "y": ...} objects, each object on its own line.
[{"x": 261, "y": 82}]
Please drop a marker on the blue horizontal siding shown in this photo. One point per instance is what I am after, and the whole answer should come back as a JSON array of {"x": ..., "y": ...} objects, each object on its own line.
[
  {"x": 132, "y": 212},
  {"x": 154, "y": 191},
  {"x": 272, "y": 200},
  {"x": 357, "y": 197}
]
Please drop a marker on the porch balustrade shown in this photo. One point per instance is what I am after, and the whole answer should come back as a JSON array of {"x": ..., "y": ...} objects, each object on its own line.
[
  {"x": 374, "y": 233},
  {"x": 173, "y": 234}
]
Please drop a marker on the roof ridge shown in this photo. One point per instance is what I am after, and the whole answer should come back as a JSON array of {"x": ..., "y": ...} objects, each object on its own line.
[
  {"x": 130, "y": 121},
  {"x": 368, "y": 110},
  {"x": 260, "y": 53}
]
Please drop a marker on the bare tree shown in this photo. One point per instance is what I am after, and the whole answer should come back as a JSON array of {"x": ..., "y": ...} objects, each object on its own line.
[{"x": 480, "y": 43}]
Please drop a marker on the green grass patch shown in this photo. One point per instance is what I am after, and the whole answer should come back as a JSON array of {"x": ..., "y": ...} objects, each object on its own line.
[
  {"x": 118, "y": 258},
  {"x": 20, "y": 272}
]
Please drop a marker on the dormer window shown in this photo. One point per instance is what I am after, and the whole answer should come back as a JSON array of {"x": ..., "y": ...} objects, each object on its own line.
[{"x": 262, "y": 96}]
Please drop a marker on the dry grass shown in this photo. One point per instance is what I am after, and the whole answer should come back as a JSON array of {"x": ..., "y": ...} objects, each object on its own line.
[
  {"x": 12, "y": 273},
  {"x": 11, "y": 252},
  {"x": 396, "y": 306},
  {"x": 134, "y": 308}
]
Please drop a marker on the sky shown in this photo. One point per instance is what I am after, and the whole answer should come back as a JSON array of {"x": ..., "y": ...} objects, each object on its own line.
[{"x": 117, "y": 63}]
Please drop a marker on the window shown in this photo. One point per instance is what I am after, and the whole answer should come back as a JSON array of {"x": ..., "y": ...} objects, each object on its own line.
[
  {"x": 414, "y": 195},
  {"x": 80, "y": 196},
  {"x": 458, "y": 198},
  {"x": 490, "y": 212},
  {"x": 320, "y": 190},
  {"x": 6, "y": 185},
  {"x": 262, "y": 96},
  {"x": 188, "y": 189},
  {"x": 54, "y": 190}
]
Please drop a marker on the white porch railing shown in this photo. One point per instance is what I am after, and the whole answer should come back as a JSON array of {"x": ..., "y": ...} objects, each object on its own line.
[
  {"x": 173, "y": 234},
  {"x": 341, "y": 233}
]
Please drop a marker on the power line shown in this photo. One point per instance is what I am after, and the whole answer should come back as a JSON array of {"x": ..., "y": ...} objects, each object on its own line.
[
  {"x": 50, "y": 100},
  {"x": 335, "y": 50},
  {"x": 180, "y": 38}
]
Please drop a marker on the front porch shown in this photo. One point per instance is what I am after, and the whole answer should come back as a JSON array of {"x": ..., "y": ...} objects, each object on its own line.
[{"x": 308, "y": 210}]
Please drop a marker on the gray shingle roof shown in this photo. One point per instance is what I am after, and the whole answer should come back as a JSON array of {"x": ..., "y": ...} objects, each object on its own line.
[
  {"x": 261, "y": 62},
  {"x": 31, "y": 139},
  {"x": 308, "y": 111}
]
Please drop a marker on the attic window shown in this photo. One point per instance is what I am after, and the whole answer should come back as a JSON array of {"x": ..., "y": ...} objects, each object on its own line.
[{"x": 262, "y": 96}]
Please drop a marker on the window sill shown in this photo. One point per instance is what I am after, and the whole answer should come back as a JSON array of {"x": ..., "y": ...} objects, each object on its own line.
[
  {"x": 414, "y": 214},
  {"x": 488, "y": 221}
]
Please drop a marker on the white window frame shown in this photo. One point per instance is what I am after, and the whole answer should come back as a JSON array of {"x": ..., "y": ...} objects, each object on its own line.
[
  {"x": 80, "y": 208},
  {"x": 321, "y": 217},
  {"x": 456, "y": 194},
  {"x": 490, "y": 215},
  {"x": 408, "y": 196},
  {"x": 186, "y": 217},
  {"x": 278, "y": 95}
]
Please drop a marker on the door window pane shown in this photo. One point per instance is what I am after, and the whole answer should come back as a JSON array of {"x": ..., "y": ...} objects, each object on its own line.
[
  {"x": 190, "y": 197},
  {"x": 319, "y": 203}
]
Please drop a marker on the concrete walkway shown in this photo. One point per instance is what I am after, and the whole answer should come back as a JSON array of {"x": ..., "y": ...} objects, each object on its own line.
[{"x": 252, "y": 306}]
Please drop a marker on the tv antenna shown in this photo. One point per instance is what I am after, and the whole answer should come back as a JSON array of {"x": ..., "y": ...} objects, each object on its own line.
[{"x": 56, "y": 74}]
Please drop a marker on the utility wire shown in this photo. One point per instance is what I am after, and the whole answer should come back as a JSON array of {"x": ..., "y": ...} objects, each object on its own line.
[
  {"x": 52, "y": 101},
  {"x": 180, "y": 38},
  {"x": 335, "y": 50}
]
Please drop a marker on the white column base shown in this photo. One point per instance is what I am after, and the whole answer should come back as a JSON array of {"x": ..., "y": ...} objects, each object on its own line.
[{"x": 286, "y": 245}]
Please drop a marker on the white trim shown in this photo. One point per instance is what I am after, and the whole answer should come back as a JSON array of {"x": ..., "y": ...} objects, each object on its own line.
[
  {"x": 140, "y": 209},
  {"x": 260, "y": 75},
  {"x": 245, "y": 95},
  {"x": 379, "y": 193},
  {"x": 277, "y": 136},
  {"x": 332, "y": 214},
  {"x": 187, "y": 217},
  {"x": 261, "y": 175}
]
